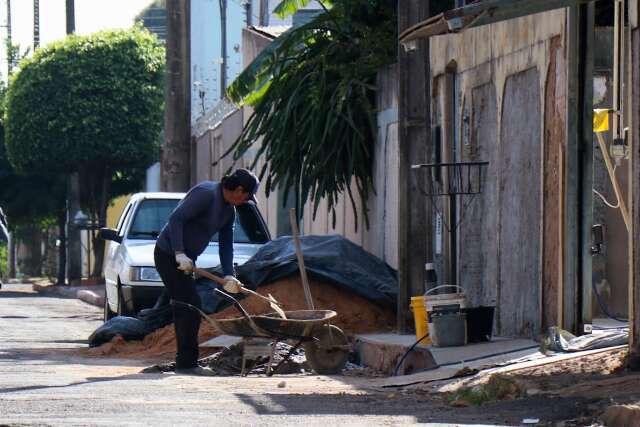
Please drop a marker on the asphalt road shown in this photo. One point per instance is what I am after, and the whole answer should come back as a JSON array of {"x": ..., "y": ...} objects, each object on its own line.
[{"x": 44, "y": 381}]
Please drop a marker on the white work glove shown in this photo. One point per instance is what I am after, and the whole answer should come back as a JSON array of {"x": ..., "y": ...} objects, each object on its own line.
[
  {"x": 184, "y": 263},
  {"x": 231, "y": 284}
]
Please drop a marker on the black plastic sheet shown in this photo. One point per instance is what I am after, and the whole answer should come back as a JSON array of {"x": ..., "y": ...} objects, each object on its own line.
[
  {"x": 329, "y": 258},
  {"x": 148, "y": 320},
  {"x": 333, "y": 259}
]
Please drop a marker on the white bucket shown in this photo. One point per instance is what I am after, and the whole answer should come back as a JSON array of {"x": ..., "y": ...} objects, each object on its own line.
[{"x": 450, "y": 301}]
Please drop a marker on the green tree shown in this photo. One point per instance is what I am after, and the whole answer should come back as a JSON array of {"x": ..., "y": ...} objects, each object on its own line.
[
  {"x": 313, "y": 92},
  {"x": 88, "y": 104},
  {"x": 32, "y": 203}
]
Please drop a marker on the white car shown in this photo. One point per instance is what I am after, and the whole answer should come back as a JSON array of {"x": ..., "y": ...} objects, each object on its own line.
[{"x": 131, "y": 280}]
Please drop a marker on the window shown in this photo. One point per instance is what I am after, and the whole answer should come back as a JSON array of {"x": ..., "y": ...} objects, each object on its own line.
[
  {"x": 248, "y": 227},
  {"x": 152, "y": 215}
]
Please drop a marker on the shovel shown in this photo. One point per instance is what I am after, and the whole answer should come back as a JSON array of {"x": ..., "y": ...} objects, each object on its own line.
[{"x": 270, "y": 299}]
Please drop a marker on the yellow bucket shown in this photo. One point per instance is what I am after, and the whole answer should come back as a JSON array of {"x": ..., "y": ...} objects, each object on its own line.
[{"x": 420, "y": 318}]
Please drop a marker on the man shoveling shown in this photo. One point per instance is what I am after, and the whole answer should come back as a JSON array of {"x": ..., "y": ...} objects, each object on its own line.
[{"x": 207, "y": 209}]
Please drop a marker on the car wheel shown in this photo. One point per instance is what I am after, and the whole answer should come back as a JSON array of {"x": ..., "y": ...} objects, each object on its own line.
[
  {"x": 108, "y": 314},
  {"x": 122, "y": 307}
]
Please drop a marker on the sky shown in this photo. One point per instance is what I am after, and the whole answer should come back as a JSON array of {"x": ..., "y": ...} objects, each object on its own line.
[{"x": 91, "y": 16}]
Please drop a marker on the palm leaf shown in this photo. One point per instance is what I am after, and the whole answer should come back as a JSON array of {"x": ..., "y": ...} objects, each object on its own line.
[{"x": 313, "y": 92}]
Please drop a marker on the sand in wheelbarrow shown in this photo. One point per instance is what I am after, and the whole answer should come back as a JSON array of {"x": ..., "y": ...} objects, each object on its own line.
[{"x": 355, "y": 315}]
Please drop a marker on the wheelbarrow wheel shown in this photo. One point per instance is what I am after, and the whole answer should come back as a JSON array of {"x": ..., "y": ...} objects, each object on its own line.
[{"x": 327, "y": 354}]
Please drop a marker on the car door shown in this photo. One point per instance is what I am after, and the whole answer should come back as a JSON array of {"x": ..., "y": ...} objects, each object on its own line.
[{"x": 114, "y": 258}]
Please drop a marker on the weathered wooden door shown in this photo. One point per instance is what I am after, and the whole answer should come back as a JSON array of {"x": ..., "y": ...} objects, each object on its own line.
[
  {"x": 520, "y": 207},
  {"x": 479, "y": 227}
]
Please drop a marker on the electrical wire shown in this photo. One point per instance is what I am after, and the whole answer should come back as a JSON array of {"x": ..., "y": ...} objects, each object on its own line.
[{"x": 605, "y": 200}]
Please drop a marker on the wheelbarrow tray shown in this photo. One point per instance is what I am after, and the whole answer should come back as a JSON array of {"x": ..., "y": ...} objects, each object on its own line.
[{"x": 298, "y": 324}]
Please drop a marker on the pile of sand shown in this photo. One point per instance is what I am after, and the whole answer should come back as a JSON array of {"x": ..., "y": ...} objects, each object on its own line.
[{"x": 355, "y": 315}]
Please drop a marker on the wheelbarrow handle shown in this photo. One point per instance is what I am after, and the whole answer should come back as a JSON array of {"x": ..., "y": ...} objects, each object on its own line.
[{"x": 236, "y": 304}]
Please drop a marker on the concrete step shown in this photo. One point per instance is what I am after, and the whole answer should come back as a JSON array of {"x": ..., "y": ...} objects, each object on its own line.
[{"x": 382, "y": 352}]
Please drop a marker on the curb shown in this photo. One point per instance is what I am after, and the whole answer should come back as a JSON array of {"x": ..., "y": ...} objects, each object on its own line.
[
  {"x": 55, "y": 290},
  {"x": 91, "y": 297}
]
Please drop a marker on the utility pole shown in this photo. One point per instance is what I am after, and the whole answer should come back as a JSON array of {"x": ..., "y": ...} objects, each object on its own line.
[
  {"x": 12, "y": 244},
  {"x": 223, "y": 47},
  {"x": 71, "y": 16},
  {"x": 36, "y": 24},
  {"x": 248, "y": 10},
  {"x": 633, "y": 101},
  {"x": 263, "y": 18},
  {"x": 73, "y": 241},
  {"x": 414, "y": 231},
  {"x": 9, "y": 41},
  {"x": 176, "y": 152}
]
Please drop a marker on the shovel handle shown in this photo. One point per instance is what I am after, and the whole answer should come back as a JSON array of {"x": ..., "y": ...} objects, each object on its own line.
[
  {"x": 249, "y": 291},
  {"x": 218, "y": 280},
  {"x": 205, "y": 273}
]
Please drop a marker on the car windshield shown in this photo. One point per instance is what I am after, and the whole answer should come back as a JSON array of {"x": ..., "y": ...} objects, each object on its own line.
[{"x": 153, "y": 214}]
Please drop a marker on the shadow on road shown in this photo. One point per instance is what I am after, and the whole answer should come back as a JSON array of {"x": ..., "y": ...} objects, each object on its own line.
[
  {"x": 423, "y": 408},
  {"x": 67, "y": 356},
  {"x": 86, "y": 381},
  {"x": 14, "y": 294}
]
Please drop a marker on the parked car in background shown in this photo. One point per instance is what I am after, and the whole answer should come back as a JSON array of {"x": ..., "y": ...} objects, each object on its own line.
[{"x": 131, "y": 280}]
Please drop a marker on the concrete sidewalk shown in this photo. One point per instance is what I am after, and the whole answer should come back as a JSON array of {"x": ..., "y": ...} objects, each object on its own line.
[
  {"x": 92, "y": 294},
  {"x": 382, "y": 352}
]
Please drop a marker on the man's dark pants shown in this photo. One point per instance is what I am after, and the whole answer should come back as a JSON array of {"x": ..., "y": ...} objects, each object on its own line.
[{"x": 181, "y": 287}]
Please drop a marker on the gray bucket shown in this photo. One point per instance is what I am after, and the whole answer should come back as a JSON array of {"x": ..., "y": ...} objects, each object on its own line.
[{"x": 449, "y": 329}]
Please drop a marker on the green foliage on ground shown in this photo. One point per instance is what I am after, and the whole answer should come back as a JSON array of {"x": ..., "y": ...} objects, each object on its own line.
[
  {"x": 498, "y": 387},
  {"x": 314, "y": 96}
]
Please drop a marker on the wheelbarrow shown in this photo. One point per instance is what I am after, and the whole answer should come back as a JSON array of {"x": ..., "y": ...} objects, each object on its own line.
[{"x": 325, "y": 345}]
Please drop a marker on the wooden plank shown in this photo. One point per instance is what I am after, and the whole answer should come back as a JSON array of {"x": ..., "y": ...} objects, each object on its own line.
[
  {"x": 561, "y": 236},
  {"x": 571, "y": 248},
  {"x": 479, "y": 253},
  {"x": 634, "y": 205},
  {"x": 299, "y": 255},
  {"x": 520, "y": 207},
  {"x": 586, "y": 165},
  {"x": 390, "y": 249},
  {"x": 554, "y": 140}
]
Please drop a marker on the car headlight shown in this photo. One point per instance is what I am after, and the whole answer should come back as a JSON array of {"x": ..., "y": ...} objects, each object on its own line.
[{"x": 145, "y": 274}]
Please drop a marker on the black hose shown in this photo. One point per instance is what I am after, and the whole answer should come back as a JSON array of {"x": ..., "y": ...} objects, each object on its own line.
[{"x": 406, "y": 353}]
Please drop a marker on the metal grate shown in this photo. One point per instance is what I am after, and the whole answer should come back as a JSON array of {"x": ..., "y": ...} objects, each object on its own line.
[{"x": 449, "y": 179}]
